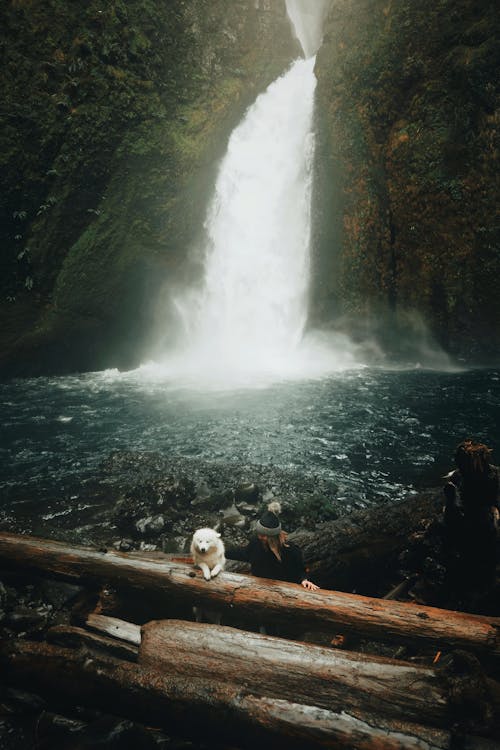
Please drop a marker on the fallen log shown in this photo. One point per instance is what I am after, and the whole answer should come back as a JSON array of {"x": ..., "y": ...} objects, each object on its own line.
[
  {"x": 307, "y": 674},
  {"x": 195, "y": 707},
  {"x": 256, "y": 599},
  {"x": 363, "y": 545}
]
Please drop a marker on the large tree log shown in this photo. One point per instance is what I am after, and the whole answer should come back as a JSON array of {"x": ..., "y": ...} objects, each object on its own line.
[
  {"x": 364, "y": 544},
  {"x": 196, "y": 707},
  {"x": 257, "y": 598},
  {"x": 296, "y": 671}
]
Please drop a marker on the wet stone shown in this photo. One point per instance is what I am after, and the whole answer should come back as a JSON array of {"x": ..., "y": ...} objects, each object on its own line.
[
  {"x": 104, "y": 732},
  {"x": 22, "y": 700},
  {"x": 124, "y": 545},
  {"x": 59, "y": 593},
  {"x": 150, "y": 525},
  {"x": 25, "y": 618},
  {"x": 247, "y": 493}
]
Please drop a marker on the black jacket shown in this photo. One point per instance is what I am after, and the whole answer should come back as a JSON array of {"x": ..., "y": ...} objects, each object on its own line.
[
  {"x": 474, "y": 495},
  {"x": 265, "y": 564}
]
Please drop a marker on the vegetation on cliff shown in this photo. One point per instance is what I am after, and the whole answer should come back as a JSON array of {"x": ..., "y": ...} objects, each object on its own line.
[
  {"x": 116, "y": 114},
  {"x": 408, "y": 178}
]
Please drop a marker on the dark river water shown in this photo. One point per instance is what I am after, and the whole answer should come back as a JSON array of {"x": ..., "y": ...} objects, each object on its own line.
[{"x": 373, "y": 434}]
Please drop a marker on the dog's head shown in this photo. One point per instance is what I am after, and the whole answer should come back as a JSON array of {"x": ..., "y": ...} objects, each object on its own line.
[{"x": 205, "y": 539}]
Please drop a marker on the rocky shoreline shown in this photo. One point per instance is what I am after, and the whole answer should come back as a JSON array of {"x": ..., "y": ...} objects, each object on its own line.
[{"x": 158, "y": 499}]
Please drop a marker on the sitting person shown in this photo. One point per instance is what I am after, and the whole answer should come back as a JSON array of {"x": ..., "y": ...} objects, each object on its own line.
[{"x": 270, "y": 554}]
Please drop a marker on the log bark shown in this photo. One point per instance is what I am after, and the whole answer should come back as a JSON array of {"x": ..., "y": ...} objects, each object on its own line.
[
  {"x": 307, "y": 674},
  {"x": 75, "y": 637},
  {"x": 257, "y": 598},
  {"x": 364, "y": 544},
  {"x": 125, "y": 631},
  {"x": 193, "y": 707}
]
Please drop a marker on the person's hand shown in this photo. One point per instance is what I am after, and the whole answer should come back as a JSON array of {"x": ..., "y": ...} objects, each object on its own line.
[{"x": 309, "y": 585}]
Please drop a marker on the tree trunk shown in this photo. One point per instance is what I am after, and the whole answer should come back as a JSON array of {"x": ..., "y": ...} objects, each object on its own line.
[
  {"x": 256, "y": 599},
  {"x": 335, "y": 680},
  {"x": 202, "y": 708},
  {"x": 363, "y": 545}
]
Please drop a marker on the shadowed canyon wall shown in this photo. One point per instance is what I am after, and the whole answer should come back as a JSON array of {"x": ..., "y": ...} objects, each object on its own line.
[
  {"x": 407, "y": 191},
  {"x": 115, "y": 116}
]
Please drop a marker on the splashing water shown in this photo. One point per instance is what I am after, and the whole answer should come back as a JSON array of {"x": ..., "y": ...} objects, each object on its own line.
[
  {"x": 307, "y": 20},
  {"x": 250, "y": 315},
  {"x": 245, "y": 326}
]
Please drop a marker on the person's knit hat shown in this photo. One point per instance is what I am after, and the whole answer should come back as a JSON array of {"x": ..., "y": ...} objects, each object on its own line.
[{"x": 269, "y": 523}]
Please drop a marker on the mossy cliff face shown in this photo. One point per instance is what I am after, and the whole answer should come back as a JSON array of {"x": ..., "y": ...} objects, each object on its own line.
[
  {"x": 408, "y": 169},
  {"x": 116, "y": 116}
]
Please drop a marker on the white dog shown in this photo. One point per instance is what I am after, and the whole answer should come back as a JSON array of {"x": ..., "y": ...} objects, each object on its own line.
[{"x": 207, "y": 549}]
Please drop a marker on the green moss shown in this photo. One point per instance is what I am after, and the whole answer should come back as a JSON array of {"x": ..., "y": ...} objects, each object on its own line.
[
  {"x": 410, "y": 146},
  {"x": 117, "y": 116}
]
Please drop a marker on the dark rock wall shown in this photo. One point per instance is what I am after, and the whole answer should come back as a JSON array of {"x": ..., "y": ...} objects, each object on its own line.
[
  {"x": 407, "y": 190},
  {"x": 115, "y": 115}
]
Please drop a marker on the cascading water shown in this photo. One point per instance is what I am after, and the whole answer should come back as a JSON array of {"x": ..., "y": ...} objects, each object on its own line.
[
  {"x": 307, "y": 17},
  {"x": 251, "y": 312},
  {"x": 248, "y": 318},
  {"x": 246, "y": 323}
]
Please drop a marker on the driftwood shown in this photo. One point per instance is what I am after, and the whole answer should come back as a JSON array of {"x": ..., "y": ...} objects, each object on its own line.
[
  {"x": 296, "y": 671},
  {"x": 116, "y": 628},
  {"x": 75, "y": 637},
  {"x": 256, "y": 598},
  {"x": 203, "y": 707}
]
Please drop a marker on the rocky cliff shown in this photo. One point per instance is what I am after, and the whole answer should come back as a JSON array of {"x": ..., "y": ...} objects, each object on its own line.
[
  {"x": 406, "y": 205},
  {"x": 116, "y": 114}
]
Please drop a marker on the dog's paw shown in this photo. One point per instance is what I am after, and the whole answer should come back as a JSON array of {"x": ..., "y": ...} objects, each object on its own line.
[
  {"x": 207, "y": 576},
  {"x": 215, "y": 571}
]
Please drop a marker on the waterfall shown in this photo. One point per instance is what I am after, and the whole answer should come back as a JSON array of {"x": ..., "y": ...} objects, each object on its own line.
[
  {"x": 250, "y": 313},
  {"x": 253, "y": 306},
  {"x": 307, "y": 17},
  {"x": 248, "y": 317}
]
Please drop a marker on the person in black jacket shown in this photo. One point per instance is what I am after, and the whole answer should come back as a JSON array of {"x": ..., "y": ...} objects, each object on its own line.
[
  {"x": 270, "y": 554},
  {"x": 471, "y": 517}
]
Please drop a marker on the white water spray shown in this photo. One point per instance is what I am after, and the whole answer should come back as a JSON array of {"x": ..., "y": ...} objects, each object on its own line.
[
  {"x": 308, "y": 17},
  {"x": 250, "y": 315},
  {"x": 246, "y": 322},
  {"x": 253, "y": 304}
]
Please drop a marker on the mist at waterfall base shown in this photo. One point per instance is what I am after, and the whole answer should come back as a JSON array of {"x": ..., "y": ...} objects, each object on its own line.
[{"x": 245, "y": 323}]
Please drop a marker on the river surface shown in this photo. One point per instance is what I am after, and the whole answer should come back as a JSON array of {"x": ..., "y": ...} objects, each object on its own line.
[{"x": 371, "y": 434}]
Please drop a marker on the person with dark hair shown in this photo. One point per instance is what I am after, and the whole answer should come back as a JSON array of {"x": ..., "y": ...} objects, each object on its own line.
[
  {"x": 270, "y": 554},
  {"x": 471, "y": 514},
  {"x": 472, "y": 489}
]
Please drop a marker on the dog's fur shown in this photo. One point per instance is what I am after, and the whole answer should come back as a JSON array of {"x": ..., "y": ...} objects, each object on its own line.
[{"x": 207, "y": 549}]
